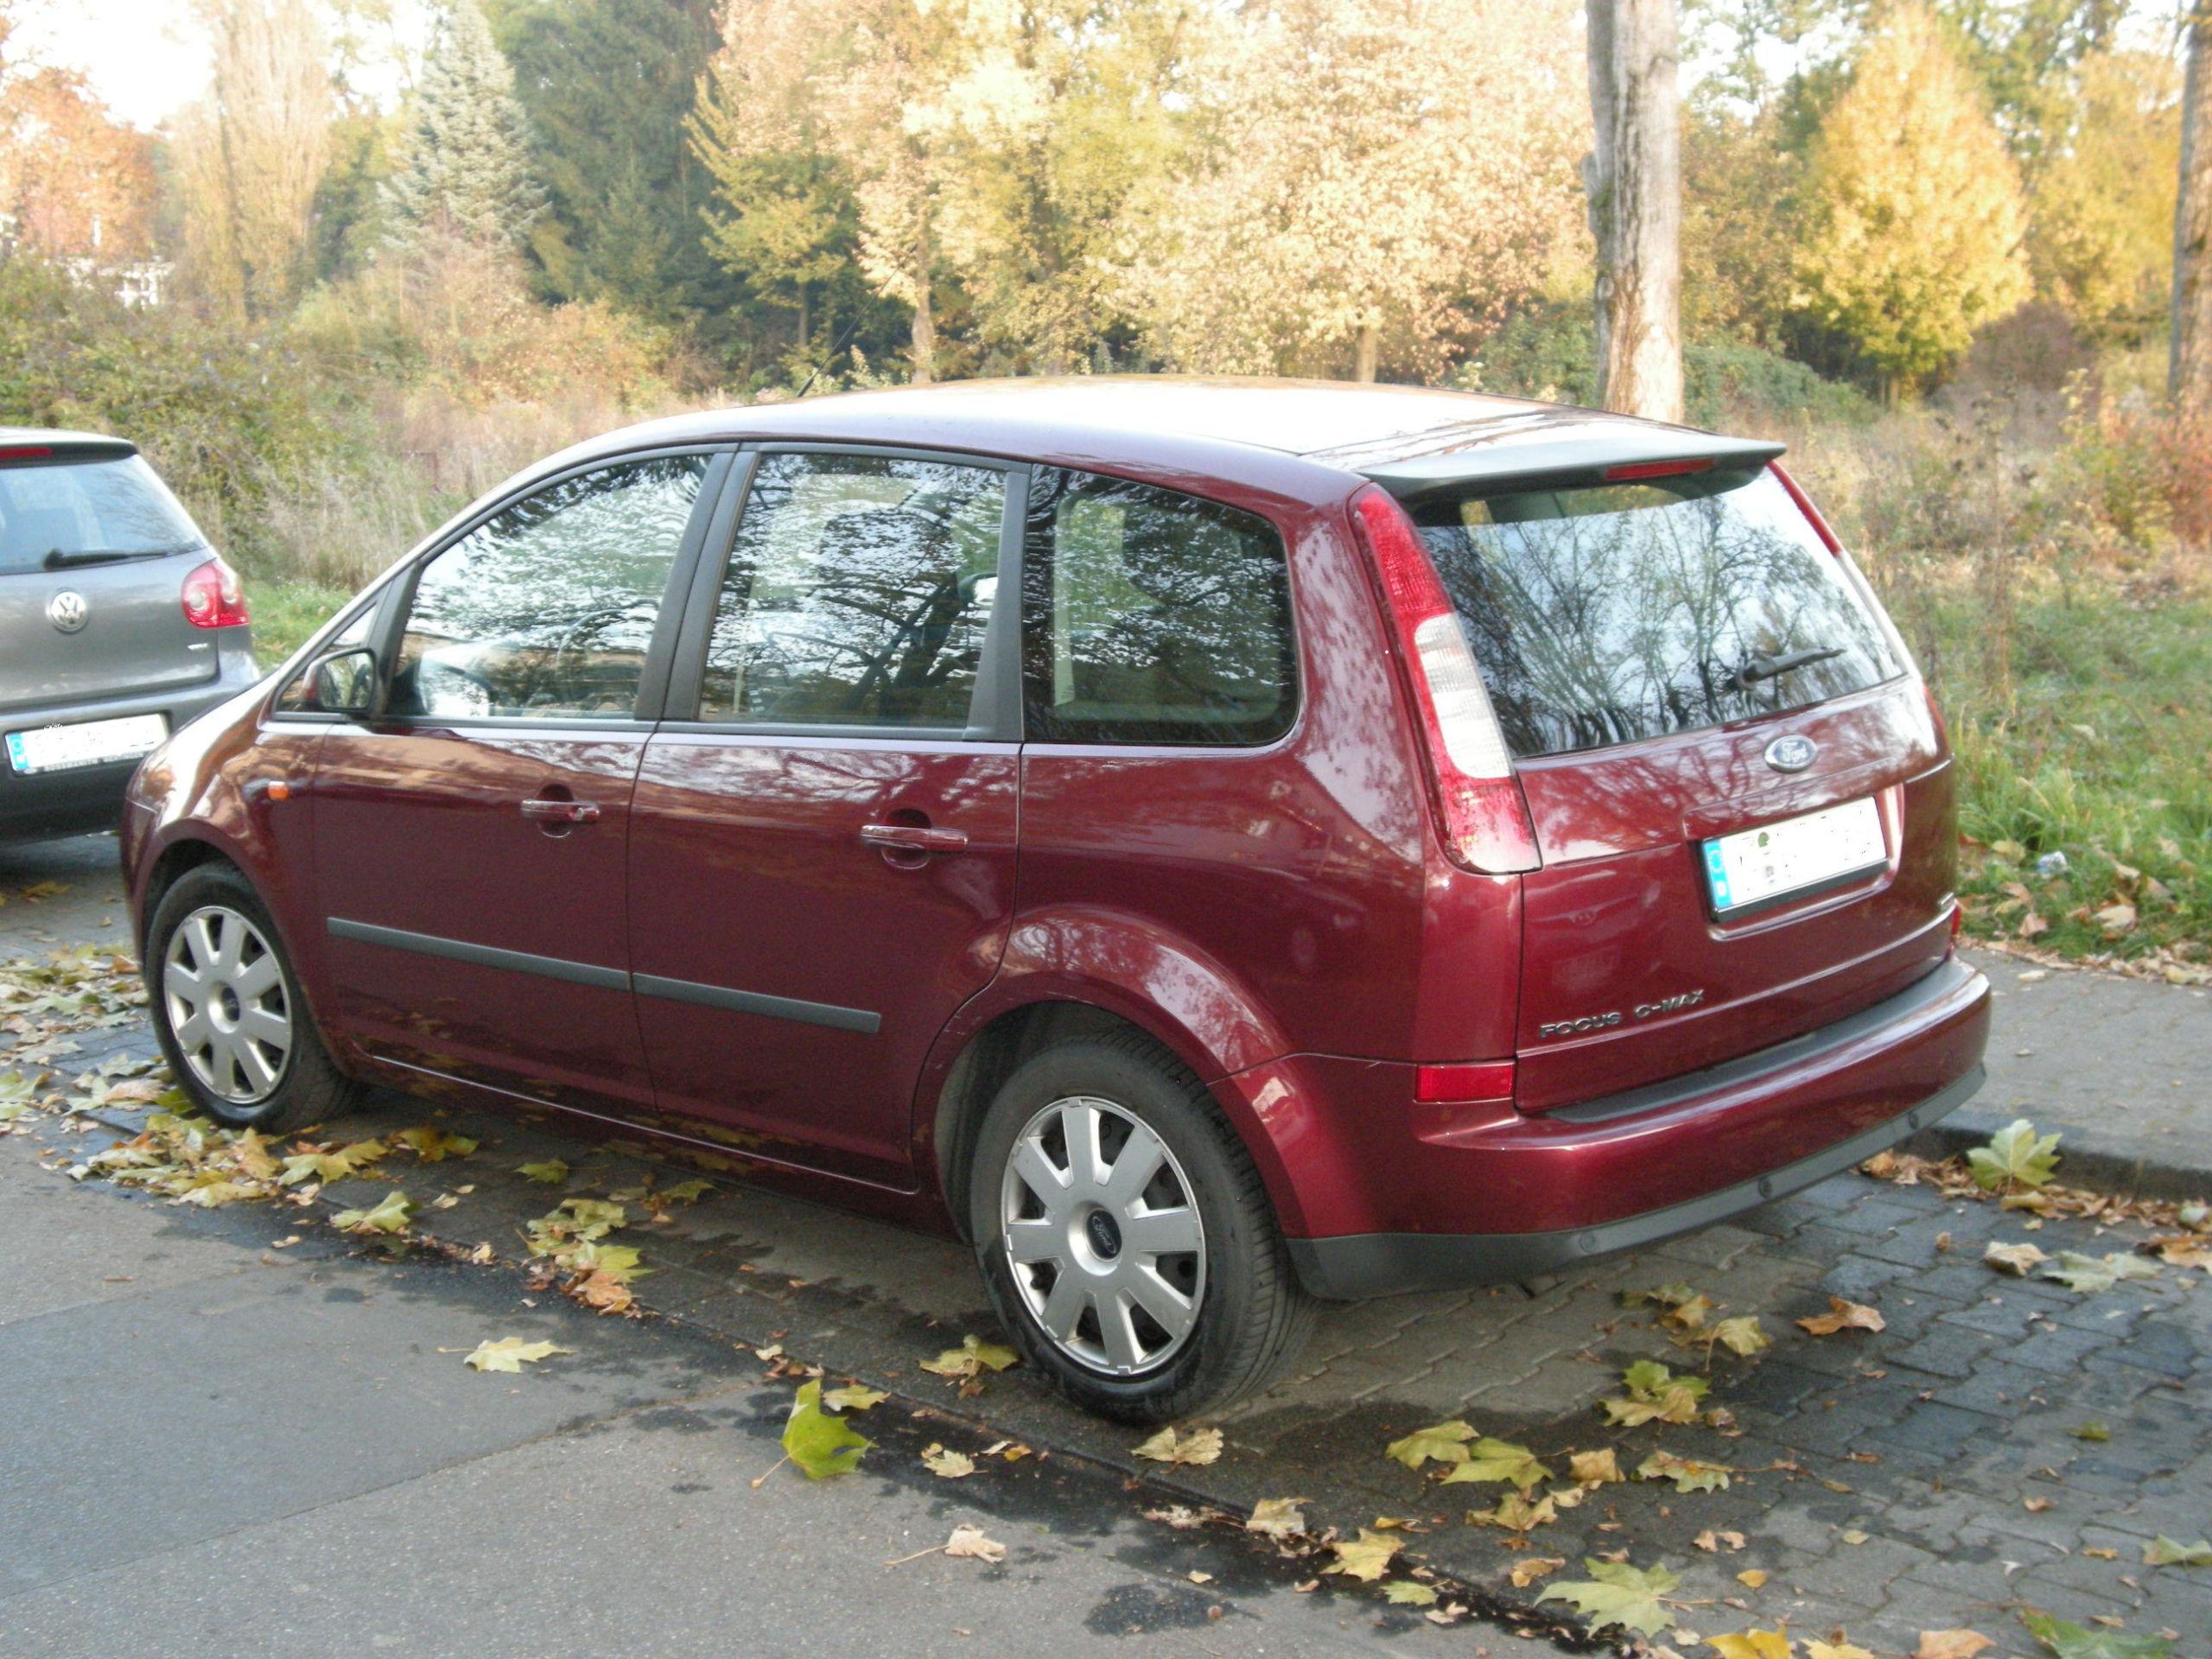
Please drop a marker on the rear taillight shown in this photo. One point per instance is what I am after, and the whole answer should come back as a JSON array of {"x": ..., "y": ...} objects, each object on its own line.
[
  {"x": 1805, "y": 506},
  {"x": 213, "y": 597},
  {"x": 1484, "y": 815}
]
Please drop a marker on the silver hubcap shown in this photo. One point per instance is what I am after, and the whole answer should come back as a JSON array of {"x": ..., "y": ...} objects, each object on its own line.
[
  {"x": 225, "y": 997},
  {"x": 1100, "y": 1233}
]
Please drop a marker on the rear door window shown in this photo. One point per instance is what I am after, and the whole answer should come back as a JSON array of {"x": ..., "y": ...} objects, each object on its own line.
[
  {"x": 1606, "y": 615},
  {"x": 58, "y": 514},
  {"x": 1153, "y": 617},
  {"x": 858, "y": 592}
]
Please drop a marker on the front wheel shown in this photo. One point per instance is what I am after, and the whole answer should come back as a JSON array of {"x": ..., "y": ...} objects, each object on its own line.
[
  {"x": 228, "y": 1013},
  {"x": 1125, "y": 1238}
]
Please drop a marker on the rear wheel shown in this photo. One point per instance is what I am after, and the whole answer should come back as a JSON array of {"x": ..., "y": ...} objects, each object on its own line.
[
  {"x": 227, "y": 1010},
  {"x": 1125, "y": 1236}
]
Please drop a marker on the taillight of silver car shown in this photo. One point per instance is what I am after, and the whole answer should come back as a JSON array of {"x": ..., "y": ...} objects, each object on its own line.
[{"x": 214, "y": 598}]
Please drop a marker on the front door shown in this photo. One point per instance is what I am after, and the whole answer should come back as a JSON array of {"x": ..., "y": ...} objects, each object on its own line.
[
  {"x": 470, "y": 841},
  {"x": 821, "y": 861}
]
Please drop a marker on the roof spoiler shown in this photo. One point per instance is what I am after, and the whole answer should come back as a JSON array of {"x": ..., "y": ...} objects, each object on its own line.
[
  {"x": 1615, "y": 456},
  {"x": 16, "y": 449}
]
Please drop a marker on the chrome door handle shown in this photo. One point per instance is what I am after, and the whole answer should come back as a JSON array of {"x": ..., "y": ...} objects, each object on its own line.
[
  {"x": 560, "y": 811},
  {"x": 915, "y": 838}
]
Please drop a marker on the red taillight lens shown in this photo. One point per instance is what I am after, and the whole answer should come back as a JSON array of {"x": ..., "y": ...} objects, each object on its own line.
[
  {"x": 213, "y": 598},
  {"x": 1641, "y": 469},
  {"x": 1485, "y": 818},
  {"x": 25, "y": 451},
  {"x": 1805, "y": 506},
  {"x": 1477, "y": 1080}
]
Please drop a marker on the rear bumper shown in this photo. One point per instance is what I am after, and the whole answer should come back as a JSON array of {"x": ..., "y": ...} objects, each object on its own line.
[
  {"x": 69, "y": 803},
  {"x": 1527, "y": 1195}
]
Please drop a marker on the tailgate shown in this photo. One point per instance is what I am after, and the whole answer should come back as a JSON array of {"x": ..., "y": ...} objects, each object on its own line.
[{"x": 132, "y": 634}]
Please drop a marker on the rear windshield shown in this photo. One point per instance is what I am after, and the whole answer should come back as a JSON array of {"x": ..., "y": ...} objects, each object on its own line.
[
  {"x": 1601, "y": 616},
  {"x": 87, "y": 507}
]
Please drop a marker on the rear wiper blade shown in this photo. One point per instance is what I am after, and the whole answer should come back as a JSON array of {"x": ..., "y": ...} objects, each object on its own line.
[
  {"x": 1768, "y": 668},
  {"x": 57, "y": 559}
]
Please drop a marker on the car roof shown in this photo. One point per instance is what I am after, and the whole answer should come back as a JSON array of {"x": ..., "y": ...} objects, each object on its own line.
[
  {"x": 1409, "y": 438},
  {"x": 46, "y": 437}
]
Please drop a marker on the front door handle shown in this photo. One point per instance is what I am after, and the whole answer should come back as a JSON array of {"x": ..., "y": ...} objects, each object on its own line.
[
  {"x": 915, "y": 838},
  {"x": 540, "y": 811}
]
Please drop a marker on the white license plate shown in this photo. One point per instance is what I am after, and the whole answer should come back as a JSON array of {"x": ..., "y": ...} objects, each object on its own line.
[
  {"x": 1823, "y": 849},
  {"x": 89, "y": 743}
]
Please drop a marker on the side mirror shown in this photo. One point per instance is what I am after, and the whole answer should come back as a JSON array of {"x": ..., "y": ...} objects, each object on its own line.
[{"x": 343, "y": 682}]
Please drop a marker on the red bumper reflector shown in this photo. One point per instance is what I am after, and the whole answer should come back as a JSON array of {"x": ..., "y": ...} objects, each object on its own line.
[{"x": 1477, "y": 1080}]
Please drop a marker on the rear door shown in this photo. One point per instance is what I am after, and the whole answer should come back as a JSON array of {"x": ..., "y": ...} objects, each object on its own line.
[
  {"x": 1734, "y": 777},
  {"x": 93, "y": 555},
  {"x": 470, "y": 844},
  {"x": 822, "y": 853}
]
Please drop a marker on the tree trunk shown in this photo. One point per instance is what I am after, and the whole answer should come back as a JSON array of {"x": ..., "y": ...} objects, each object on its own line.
[
  {"x": 1634, "y": 179},
  {"x": 925, "y": 334},
  {"x": 1366, "y": 351},
  {"x": 2189, "y": 359}
]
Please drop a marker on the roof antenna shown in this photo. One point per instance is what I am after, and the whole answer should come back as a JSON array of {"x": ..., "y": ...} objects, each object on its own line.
[{"x": 828, "y": 361}]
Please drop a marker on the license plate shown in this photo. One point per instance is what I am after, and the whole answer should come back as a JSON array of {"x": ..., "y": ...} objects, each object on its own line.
[
  {"x": 89, "y": 743},
  {"x": 1779, "y": 860}
]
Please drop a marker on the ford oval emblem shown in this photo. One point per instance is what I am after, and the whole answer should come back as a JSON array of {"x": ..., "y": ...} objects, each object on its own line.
[
  {"x": 67, "y": 611},
  {"x": 1791, "y": 753}
]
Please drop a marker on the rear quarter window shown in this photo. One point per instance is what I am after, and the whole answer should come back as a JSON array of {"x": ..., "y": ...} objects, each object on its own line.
[
  {"x": 1153, "y": 617},
  {"x": 1607, "y": 615},
  {"x": 115, "y": 506}
]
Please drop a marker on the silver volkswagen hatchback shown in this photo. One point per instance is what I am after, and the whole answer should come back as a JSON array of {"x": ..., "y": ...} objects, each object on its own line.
[{"x": 118, "y": 623}]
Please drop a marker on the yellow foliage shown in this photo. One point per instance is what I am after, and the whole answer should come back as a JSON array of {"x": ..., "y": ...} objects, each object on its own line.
[
  {"x": 2102, "y": 239},
  {"x": 1918, "y": 218}
]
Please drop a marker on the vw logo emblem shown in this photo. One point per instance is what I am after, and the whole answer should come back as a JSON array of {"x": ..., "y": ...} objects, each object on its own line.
[
  {"x": 1791, "y": 753},
  {"x": 67, "y": 611}
]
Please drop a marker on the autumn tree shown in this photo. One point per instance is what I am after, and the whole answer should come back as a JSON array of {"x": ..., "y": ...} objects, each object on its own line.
[
  {"x": 1918, "y": 220},
  {"x": 1634, "y": 179},
  {"x": 463, "y": 171},
  {"x": 2100, "y": 241},
  {"x": 78, "y": 183},
  {"x": 247, "y": 157},
  {"x": 1365, "y": 181}
]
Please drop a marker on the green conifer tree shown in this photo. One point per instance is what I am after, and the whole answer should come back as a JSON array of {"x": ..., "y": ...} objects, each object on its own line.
[{"x": 463, "y": 169}]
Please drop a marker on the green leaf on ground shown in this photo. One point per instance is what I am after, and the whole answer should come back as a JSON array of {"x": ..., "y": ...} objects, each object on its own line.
[
  {"x": 1616, "y": 1593},
  {"x": 1442, "y": 1442},
  {"x": 1655, "y": 1395},
  {"x": 1742, "y": 1337},
  {"x": 511, "y": 1354},
  {"x": 2066, "y": 1640},
  {"x": 1366, "y": 1558},
  {"x": 854, "y": 1397},
  {"x": 1688, "y": 1473},
  {"x": 551, "y": 1172},
  {"x": 2016, "y": 1156},
  {"x": 1515, "y": 1513},
  {"x": 388, "y": 1217},
  {"x": 2163, "y": 1551},
  {"x": 1190, "y": 1446},
  {"x": 820, "y": 1444},
  {"x": 1490, "y": 1459},
  {"x": 1407, "y": 1593},
  {"x": 2091, "y": 1273},
  {"x": 311, "y": 1162},
  {"x": 433, "y": 1146},
  {"x": 971, "y": 1358},
  {"x": 687, "y": 1192}
]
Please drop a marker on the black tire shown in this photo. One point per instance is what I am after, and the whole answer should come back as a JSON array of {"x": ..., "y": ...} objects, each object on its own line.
[
  {"x": 307, "y": 1087},
  {"x": 1251, "y": 1313}
]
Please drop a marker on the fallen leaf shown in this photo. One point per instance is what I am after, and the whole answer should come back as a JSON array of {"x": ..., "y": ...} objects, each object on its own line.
[
  {"x": 1617, "y": 1594},
  {"x": 970, "y": 1359},
  {"x": 1853, "y": 1535},
  {"x": 971, "y": 1542},
  {"x": 854, "y": 1397},
  {"x": 686, "y": 1192},
  {"x": 2036, "y": 1505},
  {"x": 1844, "y": 1315},
  {"x": 1688, "y": 1473},
  {"x": 1515, "y": 1513},
  {"x": 1277, "y": 1517},
  {"x": 1753, "y": 1578},
  {"x": 551, "y": 1172},
  {"x": 1525, "y": 1571},
  {"x": 1950, "y": 1644},
  {"x": 1366, "y": 1558},
  {"x": 1595, "y": 1468},
  {"x": 1752, "y": 1644},
  {"x": 2163, "y": 1551},
  {"x": 947, "y": 1466},
  {"x": 1440, "y": 1442},
  {"x": 2089, "y": 1274},
  {"x": 1406, "y": 1593},
  {"x": 2066, "y": 1640},
  {"x": 388, "y": 1217},
  {"x": 1488, "y": 1460},
  {"x": 435, "y": 1146},
  {"x": 820, "y": 1444},
  {"x": 2015, "y": 1259},
  {"x": 1712, "y": 1541},
  {"x": 1196, "y": 1446},
  {"x": 1834, "y": 1650},
  {"x": 1743, "y": 1335},
  {"x": 1655, "y": 1393},
  {"x": 1196, "y": 1577},
  {"x": 2016, "y": 1156},
  {"x": 510, "y": 1353}
]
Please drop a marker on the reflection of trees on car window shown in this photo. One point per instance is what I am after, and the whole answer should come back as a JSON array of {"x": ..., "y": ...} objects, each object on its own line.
[
  {"x": 1153, "y": 617},
  {"x": 548, "y": 609},
  {"x": 1603, "y": 616},
  {"x": 857, "y": 594}
]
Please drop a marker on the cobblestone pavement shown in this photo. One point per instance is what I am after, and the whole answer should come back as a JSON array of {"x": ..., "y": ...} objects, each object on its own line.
[{"x": 1927, "y": 1477}]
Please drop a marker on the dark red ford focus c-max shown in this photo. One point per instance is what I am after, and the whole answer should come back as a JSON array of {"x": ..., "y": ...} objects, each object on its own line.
[{"x": 1212, "y": 844}]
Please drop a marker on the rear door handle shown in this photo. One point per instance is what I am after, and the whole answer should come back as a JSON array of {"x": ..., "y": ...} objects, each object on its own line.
[
  {"x": 915, "y": 838},
  {"x": 560, "y": 811}
]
